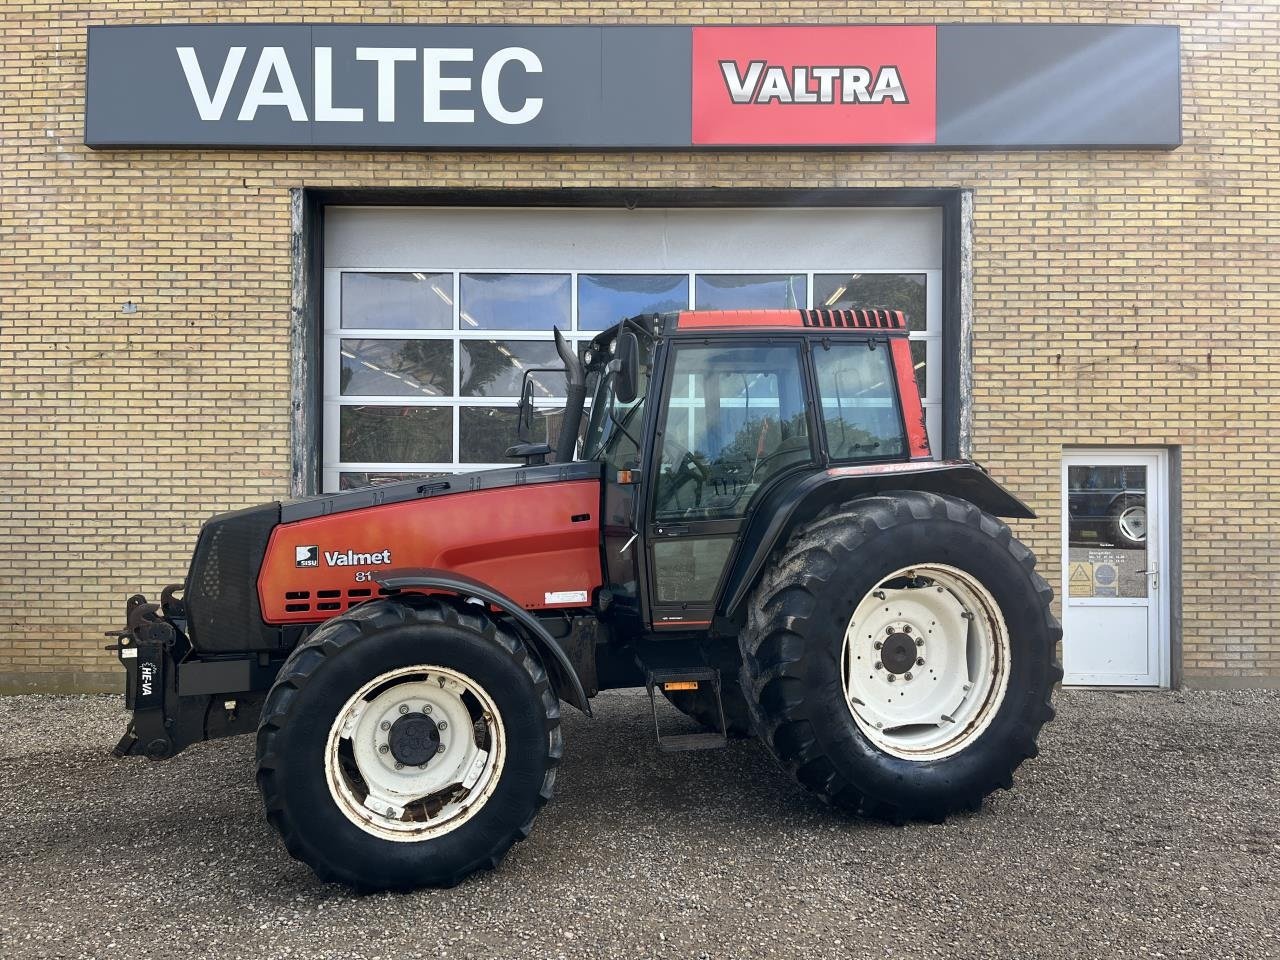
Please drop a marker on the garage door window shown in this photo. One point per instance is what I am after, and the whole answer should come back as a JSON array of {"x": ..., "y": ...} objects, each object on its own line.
[{"x": 428, "y": 384}]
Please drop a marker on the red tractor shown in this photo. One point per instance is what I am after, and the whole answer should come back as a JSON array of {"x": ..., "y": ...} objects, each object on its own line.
[{"x": 749, "y": 522}]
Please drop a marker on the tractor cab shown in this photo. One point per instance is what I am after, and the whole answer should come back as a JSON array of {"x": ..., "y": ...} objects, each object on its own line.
[{"x": 696, "y": 417}]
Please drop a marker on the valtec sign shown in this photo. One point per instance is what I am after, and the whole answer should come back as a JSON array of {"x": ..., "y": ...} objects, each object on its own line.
[
  {"x": 553, "y": 87},
  {"x": 274, "y": 84}
]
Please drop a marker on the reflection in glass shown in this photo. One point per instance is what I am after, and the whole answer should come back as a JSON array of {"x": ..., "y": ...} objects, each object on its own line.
[
  {"x": 726, "y": 291},
  {"x": 514, "y": 301},
  {"x": 1107, "y": 535},
  {"x": 399, "y": 368},
  {"x": 864, "y": 291},
  {"x": 495, "y": 368},
  {"x": 369, "y": 434},
  {"x": 484, "y": 433},
  {"x": 604, "y": 299},
  {"x": 353, "y": 481},
  {"x": 400, "y": 301}
]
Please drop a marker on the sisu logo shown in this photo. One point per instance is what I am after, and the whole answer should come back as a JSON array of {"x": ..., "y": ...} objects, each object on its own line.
[
  {"x": 762, "y": 82},
  {"x": 306, "y": 556}
]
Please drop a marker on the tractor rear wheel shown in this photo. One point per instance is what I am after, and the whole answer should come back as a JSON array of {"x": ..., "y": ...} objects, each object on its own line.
[
  {"x": 899, "y": 657},
  {"x": 407, "y": 742}
]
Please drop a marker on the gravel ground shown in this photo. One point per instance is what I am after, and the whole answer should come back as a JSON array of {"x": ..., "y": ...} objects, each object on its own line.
[{"x": 1150, "y": 826}]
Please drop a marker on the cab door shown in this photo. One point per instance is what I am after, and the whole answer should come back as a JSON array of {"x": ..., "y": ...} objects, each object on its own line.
[{"x": 734, "y": 417}]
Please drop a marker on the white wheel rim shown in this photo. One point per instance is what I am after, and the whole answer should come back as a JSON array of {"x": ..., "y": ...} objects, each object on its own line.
[
  {"x": 407, "y": 801},
  {"x": 1133, "y": 523},
  {"x": 926, "y": 662}
]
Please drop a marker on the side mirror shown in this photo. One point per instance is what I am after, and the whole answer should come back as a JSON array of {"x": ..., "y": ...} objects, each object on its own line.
[
  {"x": 626, "y": 367},
  {"x": 524, "y": 410}
]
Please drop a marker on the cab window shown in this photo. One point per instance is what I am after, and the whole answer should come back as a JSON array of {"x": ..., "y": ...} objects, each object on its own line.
[
  {"x": 859, "y": 402},
  {"x": 735, "y": 418}
]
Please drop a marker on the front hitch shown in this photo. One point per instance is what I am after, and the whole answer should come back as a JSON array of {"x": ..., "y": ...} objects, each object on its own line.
[{"x": 145, "y": 650}]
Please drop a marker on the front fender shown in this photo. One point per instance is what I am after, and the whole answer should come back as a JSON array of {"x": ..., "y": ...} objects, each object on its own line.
[
  {"x": 803, "y": 496},
  {"x": 569, "y": 688}
]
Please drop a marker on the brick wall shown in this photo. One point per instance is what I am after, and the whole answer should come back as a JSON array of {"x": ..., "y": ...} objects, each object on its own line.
[{"x": 1120, "y": 298}]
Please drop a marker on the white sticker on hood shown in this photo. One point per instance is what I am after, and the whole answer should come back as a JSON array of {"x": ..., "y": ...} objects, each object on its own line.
[{"x": 565, "y": 596}]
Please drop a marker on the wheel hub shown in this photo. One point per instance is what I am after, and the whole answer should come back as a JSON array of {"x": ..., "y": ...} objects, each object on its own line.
[
  {"x": 414, "y": 740},
  {"x": 898, "y": 653},
  {"x": 925, "y": 661}
]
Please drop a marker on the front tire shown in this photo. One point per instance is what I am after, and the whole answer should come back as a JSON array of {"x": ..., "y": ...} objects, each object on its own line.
[
  {"x": 929, "y": 591},
  {"x": 407, "y": 743}
]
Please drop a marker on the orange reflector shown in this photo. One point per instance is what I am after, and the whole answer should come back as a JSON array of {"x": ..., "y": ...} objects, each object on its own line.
[
  {"x": 627, "y": 476},
  {"x": 680, "y": 685}
]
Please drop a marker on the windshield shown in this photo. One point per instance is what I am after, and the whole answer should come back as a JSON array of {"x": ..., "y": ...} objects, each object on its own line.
[{"x": 613, "y": 432}]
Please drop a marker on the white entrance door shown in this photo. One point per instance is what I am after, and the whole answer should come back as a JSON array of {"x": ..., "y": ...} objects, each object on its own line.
[{"x": 1115, "y": 579}]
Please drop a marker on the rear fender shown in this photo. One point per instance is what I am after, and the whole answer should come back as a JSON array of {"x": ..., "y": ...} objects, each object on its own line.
[
  {"x": 563, "y": 676},
  {"x": 803, "y": 497}
]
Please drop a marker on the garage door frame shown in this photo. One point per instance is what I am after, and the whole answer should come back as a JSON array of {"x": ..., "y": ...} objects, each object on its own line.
[{"x": 307, "y": 255}]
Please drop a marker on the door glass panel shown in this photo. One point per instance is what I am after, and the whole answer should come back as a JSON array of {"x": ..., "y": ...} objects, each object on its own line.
[
  {"x": 688, "y": 569},
  {"x": 400, "y": 301},
  {"x": 728, "y": 291},
  {"x": 396, "y": 368},
  {"x": 495, "y": 368},
  {"x": 368, "y": 434},
  {"x": 865, "y": 291},
  {"x": 514, "y": 301},
  {"x": 1107, "y": 535},
  {"x": 735, "y": 418},
  {"x": 605, "y": 299},
  {"x": 859, "y": 403}
]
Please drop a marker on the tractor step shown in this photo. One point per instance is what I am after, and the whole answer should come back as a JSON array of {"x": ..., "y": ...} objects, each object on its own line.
[{"x": 692, "y": 680}]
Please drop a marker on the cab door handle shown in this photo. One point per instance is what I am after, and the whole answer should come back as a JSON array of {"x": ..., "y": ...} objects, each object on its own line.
[{"x": 676, "y": 531}]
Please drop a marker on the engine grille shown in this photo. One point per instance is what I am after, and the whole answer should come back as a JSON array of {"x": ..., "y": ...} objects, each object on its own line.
[{"x": 222, "y": 585}]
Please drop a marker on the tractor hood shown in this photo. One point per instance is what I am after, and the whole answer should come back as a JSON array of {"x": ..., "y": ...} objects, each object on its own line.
[{"x": 248, "y": 578}]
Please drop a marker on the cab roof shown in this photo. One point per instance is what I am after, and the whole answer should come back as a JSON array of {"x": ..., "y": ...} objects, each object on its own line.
[{"x": 876, "y": 319}]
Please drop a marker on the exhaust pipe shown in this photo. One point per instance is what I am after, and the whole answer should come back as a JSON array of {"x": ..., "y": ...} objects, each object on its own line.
[{"x": 575, "y": 396}]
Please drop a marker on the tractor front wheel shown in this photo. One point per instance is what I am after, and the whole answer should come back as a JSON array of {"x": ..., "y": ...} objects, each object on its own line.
[
  {"x": 406, "y": 743},
  {"x": 900, "y": 655}
]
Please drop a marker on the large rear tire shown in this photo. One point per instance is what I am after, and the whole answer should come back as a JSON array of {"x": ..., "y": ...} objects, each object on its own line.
[
  {"x": 899, "y": 656},
  {"x": 407, "y": 743}
]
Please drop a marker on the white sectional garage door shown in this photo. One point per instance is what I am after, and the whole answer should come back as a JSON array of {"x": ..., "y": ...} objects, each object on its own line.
[{"x": 431, "y": 315}]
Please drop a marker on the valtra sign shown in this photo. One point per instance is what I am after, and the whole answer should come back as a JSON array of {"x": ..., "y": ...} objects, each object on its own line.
[
  {"x": 494, "y": 87},
  {"x": 810, "y": 85}
]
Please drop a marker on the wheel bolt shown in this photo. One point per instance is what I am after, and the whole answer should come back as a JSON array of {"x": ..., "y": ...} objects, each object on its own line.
[
  {"x": 383, "y": 749},
  {"x": 907, "y": 675},
  {"x": 919, "y": 641},
  {"x": 385, "y": 725},
  {"x": 426, "y": 708},
  {"x": 404, "y": 708},
  {"x": 878, "y": 644},
  {"x": 879, "y": 665},
  {"x": 442, "y": 725},
  {"x": 399, "y": 765},
  {"x": 439, "y": 749},
  {"x": 889, "y": 631},
  {"x": 906, "y": 628},
  {"x": 892, "y": 678},
  {"x": 919, "y": 661}
]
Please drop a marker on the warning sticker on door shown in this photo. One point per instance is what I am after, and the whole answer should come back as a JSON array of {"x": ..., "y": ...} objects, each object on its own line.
[
  {"x": 1080, "y": 580},
  {"x": 565, "y": 596}
]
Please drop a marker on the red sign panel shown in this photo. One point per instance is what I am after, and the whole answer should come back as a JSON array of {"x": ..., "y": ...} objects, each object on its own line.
[{"x": 757, "y": 86}]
